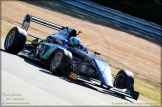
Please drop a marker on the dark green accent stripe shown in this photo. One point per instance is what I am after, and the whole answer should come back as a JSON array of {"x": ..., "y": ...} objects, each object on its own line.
[
  {"x": 45, "y": 55},
  {"x": 49, "y": 53}
]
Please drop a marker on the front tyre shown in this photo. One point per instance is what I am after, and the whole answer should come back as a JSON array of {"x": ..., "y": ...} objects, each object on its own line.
[
  {"x": 60, "y": 62},
  {"x": 124, "y": 79},
  {"x": 15, "y": 40}
]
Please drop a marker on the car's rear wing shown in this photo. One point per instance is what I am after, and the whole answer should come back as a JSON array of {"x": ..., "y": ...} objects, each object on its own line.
[{"x": 28, "y": 18}]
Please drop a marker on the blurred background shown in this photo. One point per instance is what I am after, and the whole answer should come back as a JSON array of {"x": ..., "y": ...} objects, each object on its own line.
[{"x": 150, "y": 10}]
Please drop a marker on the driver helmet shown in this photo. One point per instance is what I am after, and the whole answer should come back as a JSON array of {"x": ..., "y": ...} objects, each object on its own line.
[{"x": 75, "y": 42}]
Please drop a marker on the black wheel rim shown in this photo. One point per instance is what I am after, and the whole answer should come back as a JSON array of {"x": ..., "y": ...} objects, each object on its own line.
[
  {"x": 119, "y": 81},
  {"x": 56, "y": 60}
]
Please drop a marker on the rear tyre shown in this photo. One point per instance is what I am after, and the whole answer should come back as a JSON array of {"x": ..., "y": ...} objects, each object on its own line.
[
  {"x": 124, "y": 79},
  {"x": 60, "y": 62},
  {"x": 15, "y": 40}
]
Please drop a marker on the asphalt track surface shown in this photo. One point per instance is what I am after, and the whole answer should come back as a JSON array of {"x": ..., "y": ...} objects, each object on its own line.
[{"x": 30, "y": 83}]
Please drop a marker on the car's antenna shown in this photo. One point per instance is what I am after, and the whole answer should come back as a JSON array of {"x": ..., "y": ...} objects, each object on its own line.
[
  {"x": 96, "y": 53},
  {"x": 79, "y": 32}
]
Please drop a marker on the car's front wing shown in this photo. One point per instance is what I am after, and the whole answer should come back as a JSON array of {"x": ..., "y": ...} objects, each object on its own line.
[{"x": 120, "y": 92}]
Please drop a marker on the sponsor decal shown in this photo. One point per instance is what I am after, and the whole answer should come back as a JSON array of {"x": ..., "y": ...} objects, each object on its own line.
[
  {"x": 73, "y": 75},
  {"x": 83, "y": 68}
]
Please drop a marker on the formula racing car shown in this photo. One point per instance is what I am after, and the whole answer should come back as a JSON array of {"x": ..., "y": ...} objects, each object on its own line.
[{"x": 54, "y": 51}]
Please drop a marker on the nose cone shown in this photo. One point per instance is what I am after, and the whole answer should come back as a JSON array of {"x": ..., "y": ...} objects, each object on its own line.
[
  {"x": 105, "y": 72},
  {"x": 107, "y": 77}
]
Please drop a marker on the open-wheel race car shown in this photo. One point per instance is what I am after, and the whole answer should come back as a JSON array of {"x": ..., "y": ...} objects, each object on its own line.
[{"x": 78, "y": 64}]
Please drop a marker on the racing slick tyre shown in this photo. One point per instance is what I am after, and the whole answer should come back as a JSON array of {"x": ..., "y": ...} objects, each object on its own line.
[
  {"x": 124, "y": 79},
  {"x": 60, "y": 62},
  {"x": 15, "y": 40}
]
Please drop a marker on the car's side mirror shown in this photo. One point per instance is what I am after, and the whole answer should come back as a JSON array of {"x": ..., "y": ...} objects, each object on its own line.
[
  {"x": 79, "y": 32},
  {"x": 96, "y": 53}
]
